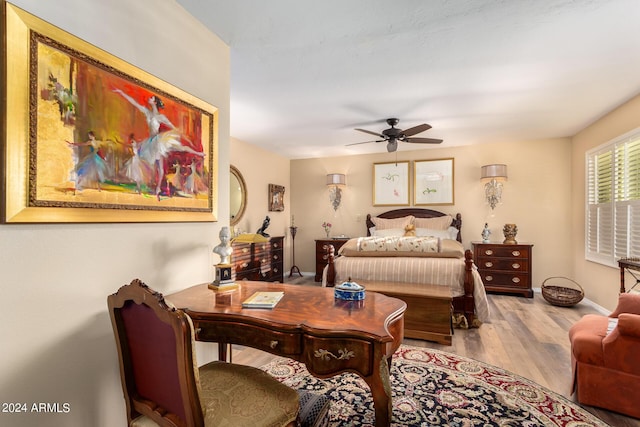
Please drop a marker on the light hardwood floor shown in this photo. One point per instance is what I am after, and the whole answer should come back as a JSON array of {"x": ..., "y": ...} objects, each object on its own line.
[{"x": 526, "y": 336}]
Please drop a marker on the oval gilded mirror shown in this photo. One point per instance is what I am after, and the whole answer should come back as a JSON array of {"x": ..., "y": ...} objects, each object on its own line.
[{"x": 237, "y": 195}]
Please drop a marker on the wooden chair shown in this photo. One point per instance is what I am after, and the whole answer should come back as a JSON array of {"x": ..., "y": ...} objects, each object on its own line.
[{"x": 162, "y": 384}]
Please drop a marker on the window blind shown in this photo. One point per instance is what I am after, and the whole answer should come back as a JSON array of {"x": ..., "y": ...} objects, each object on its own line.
[{"x": 613, "y": 201}]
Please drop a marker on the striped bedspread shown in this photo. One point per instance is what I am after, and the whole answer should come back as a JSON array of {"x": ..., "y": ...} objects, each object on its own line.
[{"x": 441, "y": 271}]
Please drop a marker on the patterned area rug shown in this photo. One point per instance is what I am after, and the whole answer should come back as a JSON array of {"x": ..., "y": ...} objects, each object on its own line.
[{"x": 432, "y": 387}]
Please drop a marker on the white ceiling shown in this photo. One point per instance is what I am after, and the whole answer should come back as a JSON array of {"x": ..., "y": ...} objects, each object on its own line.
[{"x": 305, "y": 73}]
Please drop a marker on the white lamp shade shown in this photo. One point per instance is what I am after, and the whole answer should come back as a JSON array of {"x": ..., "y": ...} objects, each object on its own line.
[
  {"x": 494, "y": 171},
  {"x": 336, "y": 179}
]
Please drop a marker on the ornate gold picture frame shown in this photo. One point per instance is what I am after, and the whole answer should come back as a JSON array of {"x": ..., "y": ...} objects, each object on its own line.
[
  {"x": 91, "y": 138},
  {"x": 391, "y": 184},
  {"x": 276, "y": 198},
  {"x": 433, "y": 182}
]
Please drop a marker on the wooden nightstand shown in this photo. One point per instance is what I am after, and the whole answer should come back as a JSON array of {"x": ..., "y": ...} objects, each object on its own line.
[
  {"x": 504, "y": 268},
  {"x": 321, "y": 258}
]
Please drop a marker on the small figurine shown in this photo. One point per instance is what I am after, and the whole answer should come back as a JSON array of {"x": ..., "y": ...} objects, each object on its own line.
[
  {"x": 224, "y": 270},
  {"x": 265, "y": 224},
  {"x": 486, "y": 233},
  {"x": 224, "y": 249}
]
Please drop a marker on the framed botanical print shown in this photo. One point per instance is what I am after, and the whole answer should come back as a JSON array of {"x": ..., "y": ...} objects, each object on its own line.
[
  {"x": 276, "y": 198},
  {"x": 433, "y": 182},
  {"x": 91, "y": 138},
  {"x": 391, "y": 184}
]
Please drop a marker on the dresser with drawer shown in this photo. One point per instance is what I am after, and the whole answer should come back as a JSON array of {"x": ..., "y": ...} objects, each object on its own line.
[
  {"x": 262, "y": 261},
  {"x": 504, "y": 268}
]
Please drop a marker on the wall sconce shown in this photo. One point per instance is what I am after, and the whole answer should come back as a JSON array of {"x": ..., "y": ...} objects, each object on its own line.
[
  {"x": 334, "y": 181},
  {"x": 493, "y": 176}
]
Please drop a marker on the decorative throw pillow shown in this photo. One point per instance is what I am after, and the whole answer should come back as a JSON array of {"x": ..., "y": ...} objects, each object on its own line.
[
  {"x": 627, "y": 303},
  {"x": 385, "y": 223},
  {"x": 436, "y": 223}
]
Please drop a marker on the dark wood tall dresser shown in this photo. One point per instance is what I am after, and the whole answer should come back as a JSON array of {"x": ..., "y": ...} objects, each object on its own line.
[
  {"x": 259, "y": 261},
  {"x": 504, "y": 268}
]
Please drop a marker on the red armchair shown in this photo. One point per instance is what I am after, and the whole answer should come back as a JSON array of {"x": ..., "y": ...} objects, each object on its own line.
[{"x": 605, "y": 356}]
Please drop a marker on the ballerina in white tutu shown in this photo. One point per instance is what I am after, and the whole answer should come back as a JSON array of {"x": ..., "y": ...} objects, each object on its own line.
[{"x": 163, "y": 139}]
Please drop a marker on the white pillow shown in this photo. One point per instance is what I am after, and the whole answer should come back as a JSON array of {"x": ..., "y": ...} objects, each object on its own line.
[
  {"x": 453, "y": 232},
  {"x": 427, "y": 232},
  {"x": 388, "y": 232},
  {"x": 450, "y": 233}
]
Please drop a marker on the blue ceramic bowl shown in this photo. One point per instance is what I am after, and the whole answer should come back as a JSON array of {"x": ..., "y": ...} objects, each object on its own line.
[{"x": 349, "y": 291}]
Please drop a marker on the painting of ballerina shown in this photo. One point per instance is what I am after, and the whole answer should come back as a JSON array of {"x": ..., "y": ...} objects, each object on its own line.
[{"x": 105, "y": 138}]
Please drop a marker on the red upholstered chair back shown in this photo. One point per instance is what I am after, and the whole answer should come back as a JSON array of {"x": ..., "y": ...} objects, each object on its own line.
[{"x": 155, "y": 349}]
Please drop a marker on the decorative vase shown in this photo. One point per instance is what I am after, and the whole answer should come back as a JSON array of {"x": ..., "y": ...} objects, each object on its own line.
[
  {"x": 510, "y": 231},
  {"x": 328, "y": 231}
]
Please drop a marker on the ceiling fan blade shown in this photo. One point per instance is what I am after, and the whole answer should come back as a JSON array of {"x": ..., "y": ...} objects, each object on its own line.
[
  {"x": 416, "y": 129},
  {"x": 364, "y": 142},
  {"x": 423, "y": 140},
  {"x": 371, "y": 133}
]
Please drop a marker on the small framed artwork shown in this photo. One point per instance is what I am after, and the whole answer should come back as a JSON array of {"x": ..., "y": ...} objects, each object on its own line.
[
  {"x": 276, "y": 198},
  {"x": 433, "y": 182},
  {"x": 391, "y": 184},
  {"x": 92, "y": 138}
]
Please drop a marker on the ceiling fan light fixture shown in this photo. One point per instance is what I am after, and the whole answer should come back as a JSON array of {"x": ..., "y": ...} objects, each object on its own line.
[{"x": 392, "y": 135}]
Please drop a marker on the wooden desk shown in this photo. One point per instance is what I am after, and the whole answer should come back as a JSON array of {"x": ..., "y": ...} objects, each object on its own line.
[
  {"x": 307, "y": 325},
  {"x": 628, "y": 264}
]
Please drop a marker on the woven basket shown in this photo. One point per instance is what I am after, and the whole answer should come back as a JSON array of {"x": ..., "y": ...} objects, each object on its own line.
[{"x": 557, "y": 294}]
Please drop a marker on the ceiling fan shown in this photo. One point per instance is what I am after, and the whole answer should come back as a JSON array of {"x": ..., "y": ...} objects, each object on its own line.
[{"x": 393, "y": 135}]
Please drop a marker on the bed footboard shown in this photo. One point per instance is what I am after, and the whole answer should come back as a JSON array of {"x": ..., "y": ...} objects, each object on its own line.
[
  {"x": 330, "y": 253},
  {"x": 464, "y": 304}
]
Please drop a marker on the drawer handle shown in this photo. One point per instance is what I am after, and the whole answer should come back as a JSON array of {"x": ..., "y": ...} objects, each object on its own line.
[
  {"x": 488, "y": 252},
  {"x": 245, "y": 250},
  {"x": 516, "y": 280},
  {"x": 488, "y": 278},
  {"x": 276, "y": 257},
  {"x": 515, "y": 253},
  {"x": 275, "y": 245},
  {"x": 244, "y": 264},
  {"x": 273, "y": 344},
  {"x": 276, "y": 270},
  {"x": 327, "y": 355},
  {"x": 488, "y": 264},
  {"x": 515, "y": 266}
]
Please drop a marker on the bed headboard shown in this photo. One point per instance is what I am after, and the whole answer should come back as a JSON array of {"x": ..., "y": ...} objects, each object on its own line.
[{"x": 418, "y": 213}]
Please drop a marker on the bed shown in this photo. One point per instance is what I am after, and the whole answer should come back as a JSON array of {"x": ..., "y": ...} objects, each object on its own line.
[{"x": 417, "y": 246}]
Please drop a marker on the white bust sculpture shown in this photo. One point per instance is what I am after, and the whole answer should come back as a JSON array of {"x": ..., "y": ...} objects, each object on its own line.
[{"x": 224, "y": 248}]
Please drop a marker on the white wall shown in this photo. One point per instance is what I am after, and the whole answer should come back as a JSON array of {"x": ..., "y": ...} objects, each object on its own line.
[{"x": 57, "y": 342}]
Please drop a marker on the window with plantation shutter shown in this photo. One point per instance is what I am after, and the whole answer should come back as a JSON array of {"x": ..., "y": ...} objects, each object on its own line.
[{"x": 613, "y": 201}]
